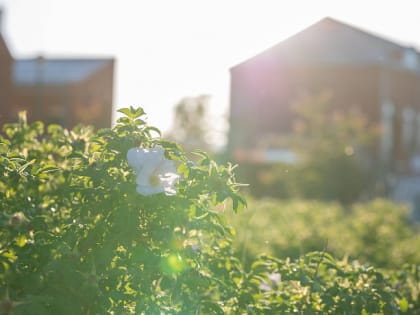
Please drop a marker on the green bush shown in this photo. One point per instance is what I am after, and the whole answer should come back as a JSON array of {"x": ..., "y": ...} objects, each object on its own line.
[
  {"x": 76, "y": 237},
  {"x": 316, "y": 283},
  {"x": 376, "y": 232}
]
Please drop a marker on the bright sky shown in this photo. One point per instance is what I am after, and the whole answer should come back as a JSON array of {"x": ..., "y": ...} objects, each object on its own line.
[{"x": 167, "y": 50}]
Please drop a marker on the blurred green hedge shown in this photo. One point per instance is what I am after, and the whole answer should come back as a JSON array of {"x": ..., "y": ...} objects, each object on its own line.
[{"x": 378, "y": 232}]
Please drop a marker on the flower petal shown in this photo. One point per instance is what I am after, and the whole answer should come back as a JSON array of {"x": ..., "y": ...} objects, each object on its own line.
[
  {"x": 147, "y": 190},
  {"x": 135, "y": 157},
  {"x": 169, "y": 179},
  {"x": 155, "y": 174},
  {"x": 158, "y": 151},
  {"x": 169, "y": 191},
  {"x": 139, "y": 158},
  {"x": 143, "y": 177}
]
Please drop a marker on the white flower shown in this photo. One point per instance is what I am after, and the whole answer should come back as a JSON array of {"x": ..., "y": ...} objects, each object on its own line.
[
  {"x": 274, "y": 278},
  {"x": 155, "y": 173}
]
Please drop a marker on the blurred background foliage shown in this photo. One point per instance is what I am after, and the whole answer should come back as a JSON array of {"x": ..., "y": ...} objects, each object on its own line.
[
  {"x": 191, "y": 126},
  {"x": 334, "y": 157},
  {"x": 377, "y": 232}
]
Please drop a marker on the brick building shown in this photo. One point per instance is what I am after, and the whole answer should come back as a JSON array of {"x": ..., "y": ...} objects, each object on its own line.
[
  {"x": 379, "y": 77},
  {"x": 6, "y": 69},
  {"x": 64, "y": 91}
]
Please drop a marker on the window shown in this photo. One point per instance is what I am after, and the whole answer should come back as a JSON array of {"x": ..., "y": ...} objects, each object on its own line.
[
  {"x": 387, "y": 121},
  {"x": 408, "y": 121}
]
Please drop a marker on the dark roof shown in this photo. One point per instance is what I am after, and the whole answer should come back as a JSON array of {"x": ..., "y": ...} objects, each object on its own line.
[
  {"x": 55, "y": 71},
  {"x": 333, "y": 42}
]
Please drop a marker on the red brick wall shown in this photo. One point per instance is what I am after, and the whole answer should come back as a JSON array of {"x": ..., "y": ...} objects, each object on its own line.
[
  {"x": 87, "y": 102},
  {"x": 42, "y": 102},
  {"x": 93, "y": 98}
]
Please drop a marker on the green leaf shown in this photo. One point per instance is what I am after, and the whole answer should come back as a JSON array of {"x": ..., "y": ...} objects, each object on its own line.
[
  {"x": 10, "y": 256},
  {"x": 154, "y": 129},
  {"x": 53, "y": 128},
  {"x": 4, "y": 147},
  {"x": 24, "y": 166},
  {"x": 238, "y": 203},
  {"x": 48, "y": 169},
  {"x": 4, "y": 141},
  {"x": 212, "y": 308},
  {"x": 260, "y": 266},
  {"x": 22, "y": 117},
  {"x": 200, "y": 153},
  {"x": 21, "y": 241},
  {"x": 123, "y": 120},
  {"x": 184, "y": 170},
  {"x": 364, "y": 312},
  {"x": 404, "y": 305},
  {"x": 132, "y": 112},
  {"x": 125, "y": 111}
]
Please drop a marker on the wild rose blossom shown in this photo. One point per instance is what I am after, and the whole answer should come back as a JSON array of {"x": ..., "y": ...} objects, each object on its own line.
[{"x": 155, "y": 173}]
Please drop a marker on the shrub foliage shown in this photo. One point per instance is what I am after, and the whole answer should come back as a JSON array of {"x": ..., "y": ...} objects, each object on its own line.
[{"x": 76, "y": 237}]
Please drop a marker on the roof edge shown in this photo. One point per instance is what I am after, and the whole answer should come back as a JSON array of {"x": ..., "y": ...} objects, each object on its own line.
[
  {"x": 107, "y": 58},
  {"x": 336, "y": 21}
]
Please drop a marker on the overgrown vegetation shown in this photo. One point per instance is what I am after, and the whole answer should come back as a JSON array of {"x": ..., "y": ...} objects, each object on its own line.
[
  {"x": 76, "y": 237},
  {"x": 379, "y": 233},
  {"x": 335, "y": 152}
]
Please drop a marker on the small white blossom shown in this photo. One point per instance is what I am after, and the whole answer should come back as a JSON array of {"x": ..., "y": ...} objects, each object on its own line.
[
  {"x": 274, "y": 278},
  {"x": 155, "y": 173}
]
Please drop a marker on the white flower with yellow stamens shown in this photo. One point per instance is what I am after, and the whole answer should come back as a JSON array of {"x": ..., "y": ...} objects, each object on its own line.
[{"x": 155, "y": 173}]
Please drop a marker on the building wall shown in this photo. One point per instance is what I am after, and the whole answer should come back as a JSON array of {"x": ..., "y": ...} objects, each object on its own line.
[
  {"x": 47, "y": 103},
  {"x": 404, "y": 94},
  {"x": 6, "y": 62},
  {"x": 264, "y": 92},
  {"x": 87, "y": 102},
  {"x": 262, "y": 104},
  {"x": 93, "y": 98}
]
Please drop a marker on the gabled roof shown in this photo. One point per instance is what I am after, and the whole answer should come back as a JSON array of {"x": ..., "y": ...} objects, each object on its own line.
[
  {"x": 333, "y": 42},
  {"x": 55, "y": 71}
]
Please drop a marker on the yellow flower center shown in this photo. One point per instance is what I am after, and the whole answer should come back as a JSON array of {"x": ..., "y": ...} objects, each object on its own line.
[{"x": 154, "y": 180}]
